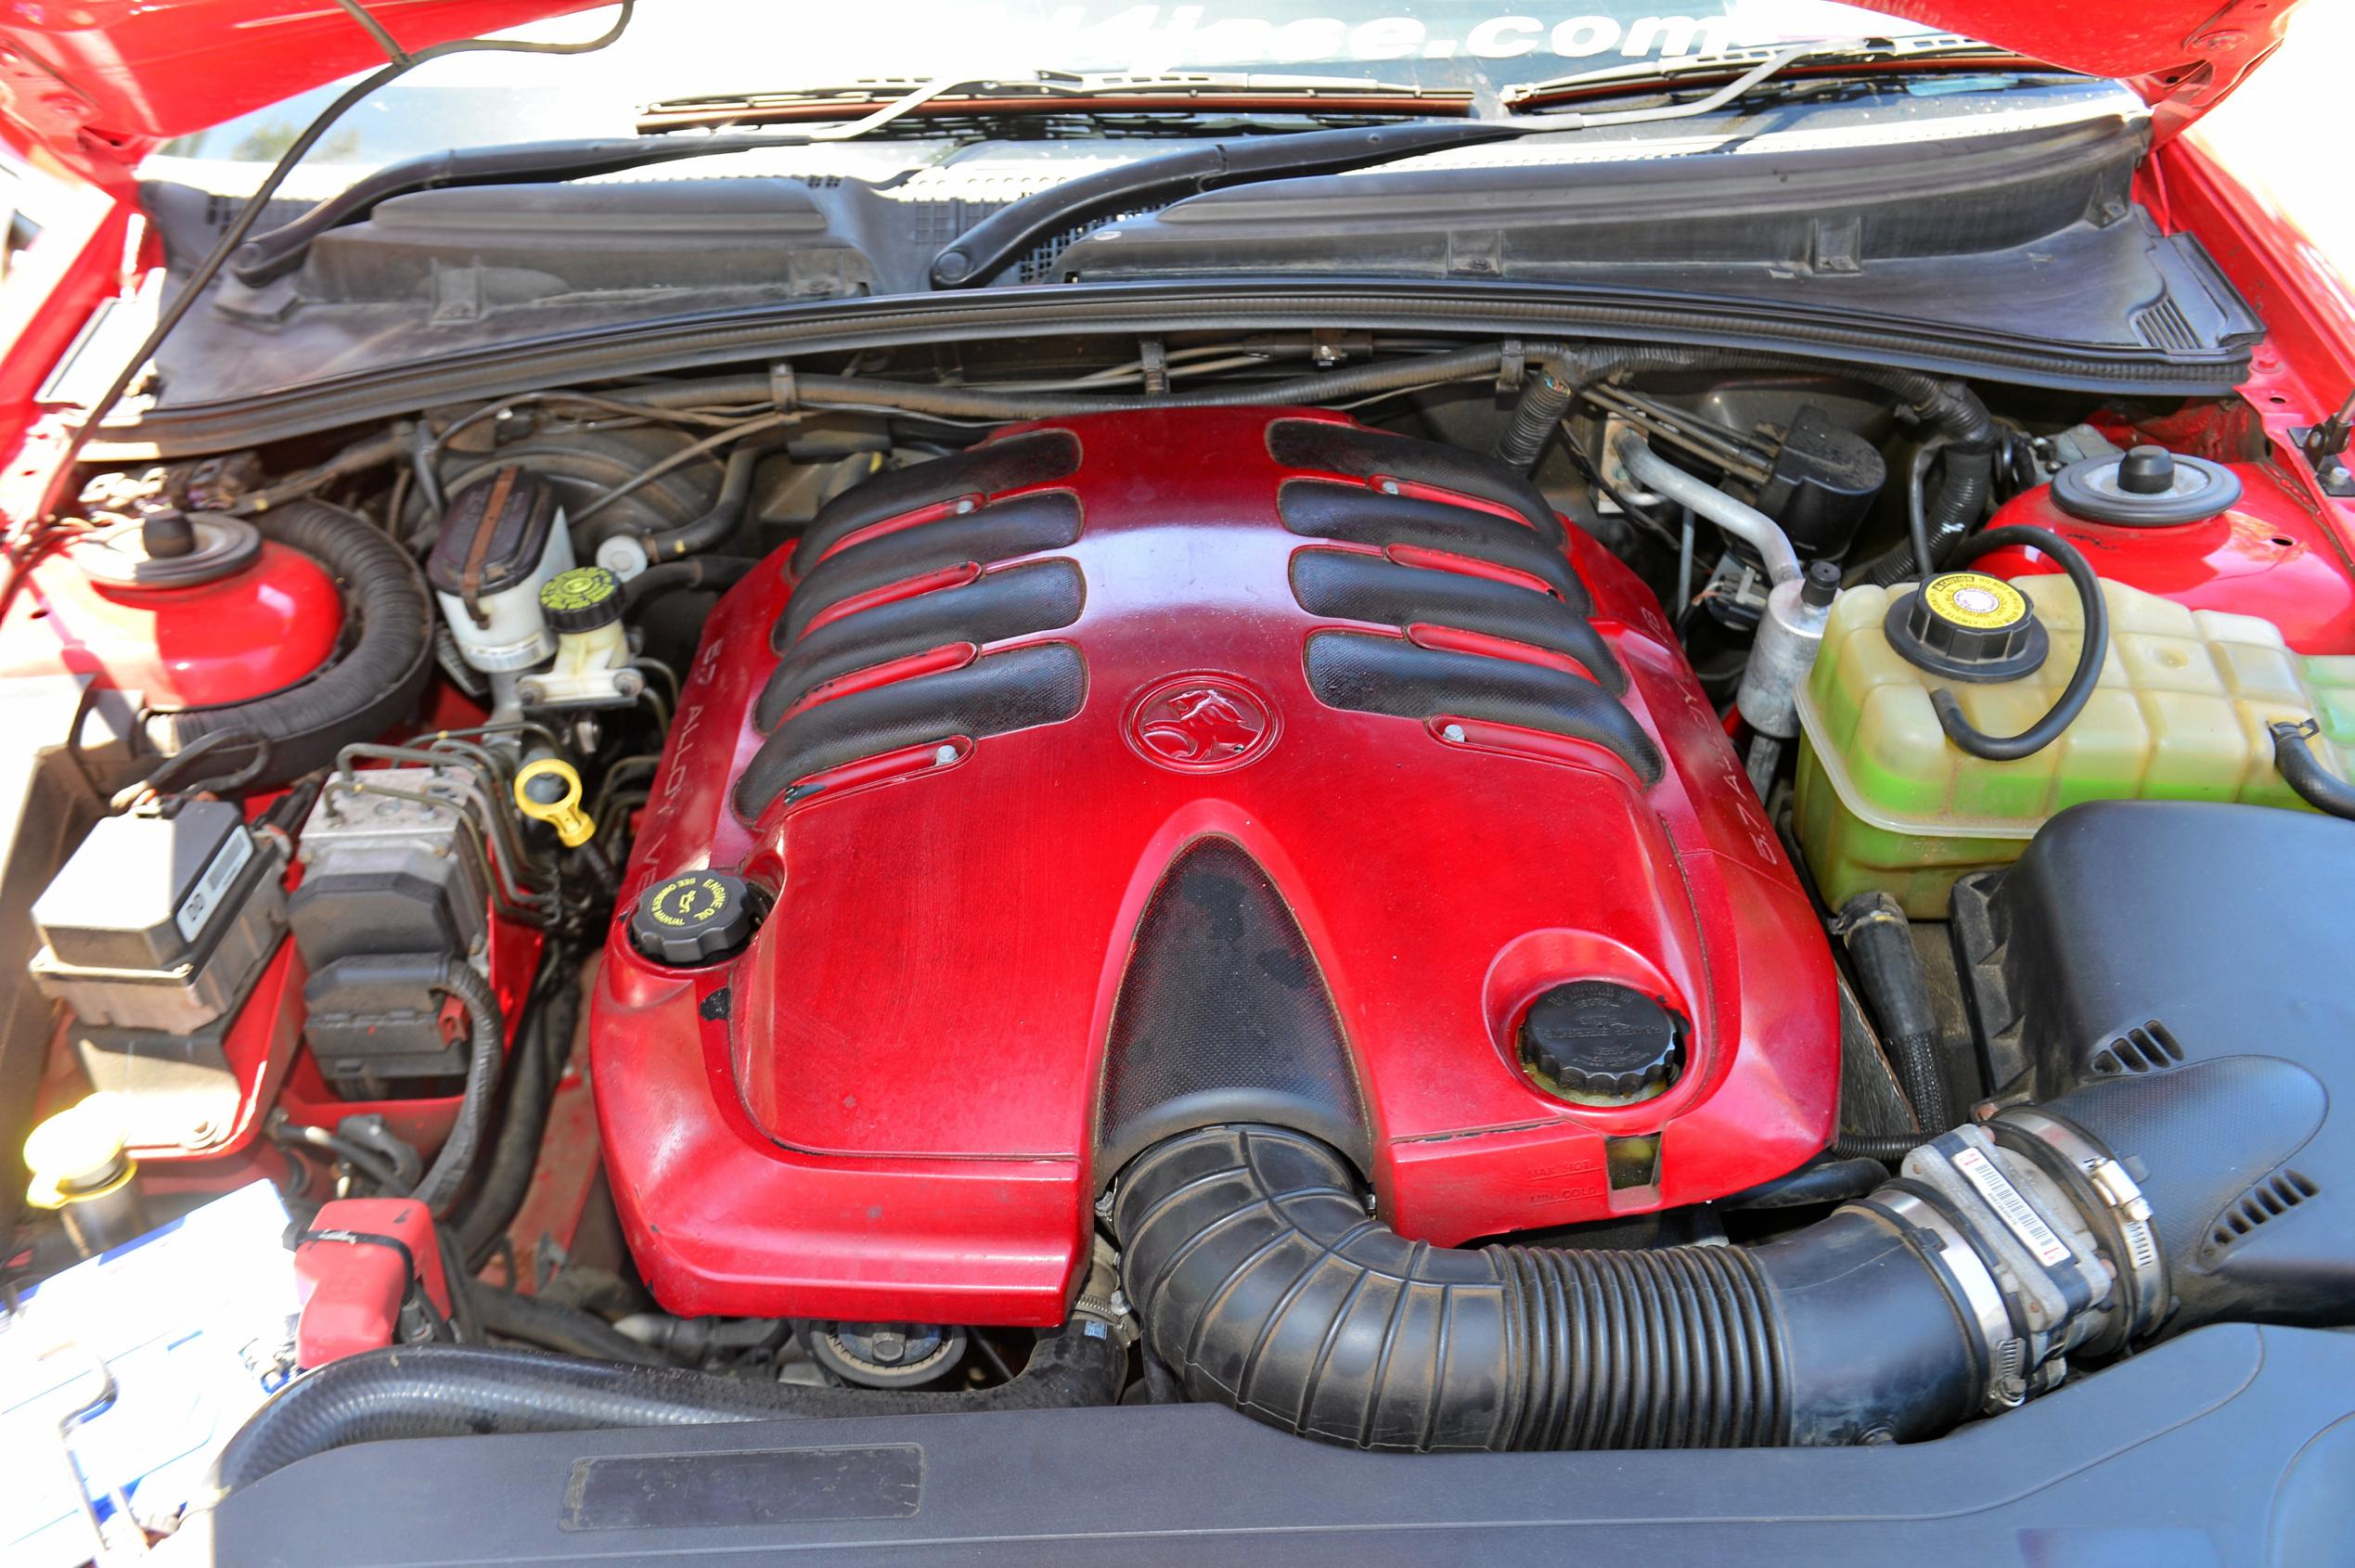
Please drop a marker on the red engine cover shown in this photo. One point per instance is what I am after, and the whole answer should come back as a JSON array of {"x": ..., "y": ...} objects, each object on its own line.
[{"x": 1143, "y": 770}]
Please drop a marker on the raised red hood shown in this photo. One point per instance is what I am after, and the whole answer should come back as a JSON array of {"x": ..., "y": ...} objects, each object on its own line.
[{"x": 97, "y": 84}]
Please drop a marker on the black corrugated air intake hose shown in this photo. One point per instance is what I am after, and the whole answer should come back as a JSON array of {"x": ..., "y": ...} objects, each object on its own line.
[
  {"x": 458, "y": 1391},
  {"x": 1263, "y": 1282},
  {"x": 367, "y": 691}
]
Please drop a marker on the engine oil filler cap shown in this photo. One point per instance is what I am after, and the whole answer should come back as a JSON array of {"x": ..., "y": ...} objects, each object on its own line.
[
  {"x": 1596, "y": 1042},
  {"x": 1968, "y": 626},
  {"x": 692, "y": 917},
  {"x": 2145, "y": 487}
]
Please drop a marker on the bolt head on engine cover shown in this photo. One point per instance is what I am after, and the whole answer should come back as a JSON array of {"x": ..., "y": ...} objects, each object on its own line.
[{"x": 1125, "y": 774}]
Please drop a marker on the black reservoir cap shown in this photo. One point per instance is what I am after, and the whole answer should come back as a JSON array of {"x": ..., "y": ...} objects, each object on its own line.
[
  {"x": 495, "y": 535},
  {"x": 692, "y": 917},
  {"x": 1596, "y": 1042},
  {"x": 1968, "y": 626}
]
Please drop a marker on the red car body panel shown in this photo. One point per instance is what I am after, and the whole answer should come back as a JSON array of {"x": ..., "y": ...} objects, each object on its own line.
[{"x": 97, "y": 85}]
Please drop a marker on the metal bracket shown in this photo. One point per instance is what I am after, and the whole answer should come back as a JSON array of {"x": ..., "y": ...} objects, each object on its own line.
[
  {"x": 2325, "y": 444},
  {"x": 1154, "y": 355}
]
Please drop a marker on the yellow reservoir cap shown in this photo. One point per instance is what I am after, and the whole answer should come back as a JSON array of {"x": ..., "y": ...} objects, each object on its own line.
[
  {"x": 78, "y": 1153},
  {"x": 1976, "y": 600},
  {"x": 558, "y": 807}
]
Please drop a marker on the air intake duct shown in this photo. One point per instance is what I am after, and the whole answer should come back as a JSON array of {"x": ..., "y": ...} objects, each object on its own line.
[{"x": 1262, "y": 1280}]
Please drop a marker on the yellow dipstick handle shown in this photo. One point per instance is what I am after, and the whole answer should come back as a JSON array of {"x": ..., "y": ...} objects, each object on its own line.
[{"x": 549, "y": 790}]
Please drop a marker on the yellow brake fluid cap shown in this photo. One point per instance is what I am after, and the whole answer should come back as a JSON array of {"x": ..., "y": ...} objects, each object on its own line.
[
  {"x": 581, "y": 599},
  {"x": 78, "y": 1153},
  {"x": 1968, "y": 626},
  {"x": 549, "y": 790}
]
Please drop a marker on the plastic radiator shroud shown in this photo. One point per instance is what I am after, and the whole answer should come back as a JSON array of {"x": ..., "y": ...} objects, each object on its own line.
[{"x": 1132, "y": 773}]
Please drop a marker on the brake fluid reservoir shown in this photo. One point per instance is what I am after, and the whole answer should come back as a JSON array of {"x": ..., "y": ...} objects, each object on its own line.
[{"x": 1885, "y": 802}]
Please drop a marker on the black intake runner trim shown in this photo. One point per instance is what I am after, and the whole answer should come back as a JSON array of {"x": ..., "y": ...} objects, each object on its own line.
[
  {"x": 1223, "y": 1016},
  {"x": 1382, "y": 675},
  {"x": 1321, "y": 508},
  {"x": 1015, "y": 463},
  {"x": 998, "y": 692},
  {"x": 1350, "y": 586},
  {"x": 1018, "y": 601},
  {"x": 1024, "y": 525},
  {"x": 1363, "y": 453}
]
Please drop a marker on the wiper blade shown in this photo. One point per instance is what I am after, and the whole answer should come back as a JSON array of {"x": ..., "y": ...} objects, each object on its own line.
[
  {"x": 1050, "y": 91},
  {"x": 1742, "y": 69},
  {"x": 981, "y": 250}
]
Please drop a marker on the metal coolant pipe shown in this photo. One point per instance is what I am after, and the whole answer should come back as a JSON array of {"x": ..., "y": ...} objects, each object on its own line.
[{"x": 1798, "y": 604}]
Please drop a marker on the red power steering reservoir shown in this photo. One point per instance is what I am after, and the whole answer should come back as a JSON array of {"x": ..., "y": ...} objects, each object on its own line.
[{"x": 189, "y": 611}]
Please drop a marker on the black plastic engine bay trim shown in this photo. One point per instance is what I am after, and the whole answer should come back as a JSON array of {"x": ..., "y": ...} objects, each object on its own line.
[{"x": 1472, "y": 309}]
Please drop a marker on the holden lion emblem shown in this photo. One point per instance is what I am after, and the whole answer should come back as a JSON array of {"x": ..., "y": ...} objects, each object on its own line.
[{"x": 1201, "y": 724}]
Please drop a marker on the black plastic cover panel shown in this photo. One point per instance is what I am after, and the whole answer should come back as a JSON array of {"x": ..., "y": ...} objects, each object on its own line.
[
  {"x": 2231, "y": 1447},
  {"x": 2195, "y": 952}
]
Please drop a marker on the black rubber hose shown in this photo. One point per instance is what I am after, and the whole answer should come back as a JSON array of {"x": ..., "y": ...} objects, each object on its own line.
[
  {"x": 726, "y": 514},
  {"x": 1880, "y": 942},
  {"x": 2304, "y": 772},
  {"x": 1535, "y": 416},
  {"x": 2093, "y": 648},
  {"x": 361, "y": 695},
  {"x": 716, "y": 572},
  {"x": 456, "y": 1391},
  {"x": 1970, "y": 477},
  {"x": 551, "y": 1326},
  {"x": 487, "y": 1037},
  {"x": 1825, "y": 1179},
  {"x": 1261, "y": 1279},
  {"x": 545, "y": 1044},
  {"x": 1917, "y": 524}
]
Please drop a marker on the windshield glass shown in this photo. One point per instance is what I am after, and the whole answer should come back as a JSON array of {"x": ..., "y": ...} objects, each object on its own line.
[{"x": 677, "y": 48}]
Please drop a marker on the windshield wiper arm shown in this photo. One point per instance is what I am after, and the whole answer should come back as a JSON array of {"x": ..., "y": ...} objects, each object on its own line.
[
  {"x": 281, "y": 251},
  {"x": 1741, "y": 69},
  {"x": 1050, "y": 91},
  {"x": 981, "y": 250}
]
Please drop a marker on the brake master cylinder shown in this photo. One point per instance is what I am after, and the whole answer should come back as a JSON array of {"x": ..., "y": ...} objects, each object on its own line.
[{"x": 1887, "y": 803}]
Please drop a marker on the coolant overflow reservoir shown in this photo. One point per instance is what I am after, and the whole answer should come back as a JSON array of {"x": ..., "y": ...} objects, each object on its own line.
[{"x": 1886, "y": 803}]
